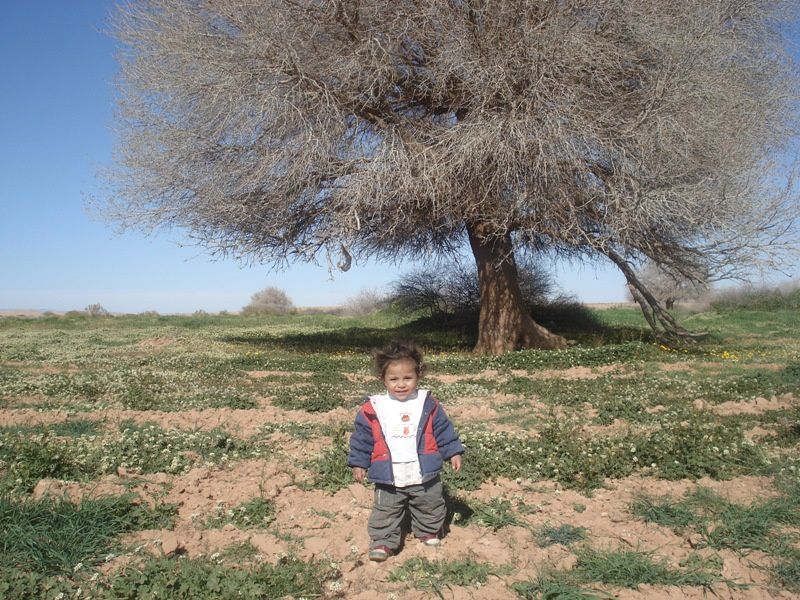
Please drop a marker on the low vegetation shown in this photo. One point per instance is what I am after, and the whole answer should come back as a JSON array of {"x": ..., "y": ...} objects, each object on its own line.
[{"x": 128, "y": 420}]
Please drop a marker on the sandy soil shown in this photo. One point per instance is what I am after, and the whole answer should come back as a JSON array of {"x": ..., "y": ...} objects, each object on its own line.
[{"x": 315, "y": 524}]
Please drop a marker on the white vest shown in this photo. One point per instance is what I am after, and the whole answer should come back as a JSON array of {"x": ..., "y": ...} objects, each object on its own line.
[{"x": 399, "y": 422}]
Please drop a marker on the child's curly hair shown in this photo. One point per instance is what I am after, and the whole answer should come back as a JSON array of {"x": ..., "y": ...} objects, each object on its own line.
[{"x": 397, "y": 350}]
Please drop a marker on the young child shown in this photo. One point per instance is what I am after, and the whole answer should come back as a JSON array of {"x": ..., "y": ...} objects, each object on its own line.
[{"x": 400, "y": 442}]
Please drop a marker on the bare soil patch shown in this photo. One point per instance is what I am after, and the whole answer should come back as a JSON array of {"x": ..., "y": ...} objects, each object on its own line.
[
  {"x": 573, "y": 373},
  {"x": 314, "y": 524},
  {"x": 263, "y": 374},
  {"x": 755, "y": 406}
]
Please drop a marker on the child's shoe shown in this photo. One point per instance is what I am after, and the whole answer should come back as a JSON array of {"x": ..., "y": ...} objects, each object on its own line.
[
  {"x": 430, "y": 540},
  {"x": 380, "y": 553}
]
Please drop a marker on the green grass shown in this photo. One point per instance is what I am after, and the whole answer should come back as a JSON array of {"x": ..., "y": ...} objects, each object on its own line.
[
  {"x": 566, "y": 534},
  {"x": 17, "y": 584},
  {"x": 146, "y": 448},
  {"x": 663, "y": 511},
  {"x": 628, "y": 398},
  {"x": 237, "y": 553},
  {"x": 726, "y": 525},
  {"x": 787, "y": 573},
  {"x": 629, "y": 568},
  {"x": 301, "y": 431},
  {"x": 71, "y": 428},
  {"x": 56, "y": 537},
  {"x": 617, "y": 568},
  {"x": 687, "y": 445},
  {"x": 205, "y": 579},
  {"x": 495, "y": 514},
  {"x": 555, "y": 587},
  {"x": 321, "y": 362},
  {"x": 753, "y": 527},
  {"x": 25, "y": 459},
  {"x": 438, "y": 574},
  {"x": 786, "y": 425},
  {"x": 330, "y": 469},
  {"x": 760, "y": 299},
  {"x": 255, "y": 513},
  {"x": 318, "y": 395}
]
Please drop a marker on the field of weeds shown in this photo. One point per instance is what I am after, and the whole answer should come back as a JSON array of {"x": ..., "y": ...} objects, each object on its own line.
[{"x": 204, "y": 457}]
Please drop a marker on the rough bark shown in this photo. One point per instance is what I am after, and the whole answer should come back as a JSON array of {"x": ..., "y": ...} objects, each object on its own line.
[{"x": 504, "y": 323}]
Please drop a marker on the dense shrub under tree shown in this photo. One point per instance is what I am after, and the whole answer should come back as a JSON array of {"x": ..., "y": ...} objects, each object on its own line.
[{"x": 452, "y": 287}]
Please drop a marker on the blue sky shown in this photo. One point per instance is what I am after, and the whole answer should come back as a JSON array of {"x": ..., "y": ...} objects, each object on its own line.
[{"x": 56, "y": 120}]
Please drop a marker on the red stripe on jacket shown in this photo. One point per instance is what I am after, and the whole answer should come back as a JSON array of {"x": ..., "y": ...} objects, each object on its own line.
[
  {"x": 429, "y": 445},
  {"x": 380, "y": 449}
]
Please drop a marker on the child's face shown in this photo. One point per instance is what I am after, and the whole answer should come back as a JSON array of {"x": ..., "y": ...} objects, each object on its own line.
[{"x": 400, "y": 378}]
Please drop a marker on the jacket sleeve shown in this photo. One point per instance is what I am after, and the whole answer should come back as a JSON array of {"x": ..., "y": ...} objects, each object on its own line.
[
  {"x": 446, "y": 435},
  {"x": 361, "y": 443}
]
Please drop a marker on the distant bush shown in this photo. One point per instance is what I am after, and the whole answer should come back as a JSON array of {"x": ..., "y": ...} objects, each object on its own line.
[
  {"x": 364, "y": 303},
  {"x": 96, "y": 310},
  {"x": 453, "y": 288},
  {"x": 269, "y": 301},
  {"x": 782, "y": 297}
]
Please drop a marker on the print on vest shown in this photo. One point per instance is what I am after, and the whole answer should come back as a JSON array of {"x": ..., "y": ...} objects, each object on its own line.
[{"x": 405, "y": 428}]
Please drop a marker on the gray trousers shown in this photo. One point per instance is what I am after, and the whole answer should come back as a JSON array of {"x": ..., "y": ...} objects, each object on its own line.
[{"x": 425, "y": 502}]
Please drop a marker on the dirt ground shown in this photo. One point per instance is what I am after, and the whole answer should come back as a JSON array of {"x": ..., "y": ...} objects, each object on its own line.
[{"x": 315, "y": 524}]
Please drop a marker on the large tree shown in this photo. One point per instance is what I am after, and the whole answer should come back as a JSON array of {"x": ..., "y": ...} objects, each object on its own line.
[{"x": 280, "y": 130}]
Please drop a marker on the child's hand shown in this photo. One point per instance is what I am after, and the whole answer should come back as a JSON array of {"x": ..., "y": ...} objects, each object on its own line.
[
  {"x": 359, "y": 473},
  {"x": 455, "y": 462}
]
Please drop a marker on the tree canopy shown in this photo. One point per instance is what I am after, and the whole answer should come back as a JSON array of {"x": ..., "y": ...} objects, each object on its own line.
[{"x": 280, "y": 130}]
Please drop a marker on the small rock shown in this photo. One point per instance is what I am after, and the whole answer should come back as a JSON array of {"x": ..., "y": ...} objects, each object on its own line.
[
  {"x": 700, "y": 404},
  {"x": 358, "y": 563},
  {"x": 567, "y": 563},
  {"x": 362, "y": 496},
  {"x": 170, "y": 545},
  {"x": 48, "y": 487},
  {"x": 694, "y": 540},
  {"x": 618, "y": 519}
]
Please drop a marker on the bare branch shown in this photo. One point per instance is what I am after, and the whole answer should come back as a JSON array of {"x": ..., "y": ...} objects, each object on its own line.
[{"x": 280, "y": 130}]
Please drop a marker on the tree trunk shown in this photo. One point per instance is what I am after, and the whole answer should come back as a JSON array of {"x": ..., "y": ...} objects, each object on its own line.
[{"x": 504, "y": 323}]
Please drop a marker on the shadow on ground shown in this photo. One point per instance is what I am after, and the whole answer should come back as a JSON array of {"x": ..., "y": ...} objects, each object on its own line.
[{"x": 451, "y": 332}]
